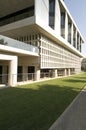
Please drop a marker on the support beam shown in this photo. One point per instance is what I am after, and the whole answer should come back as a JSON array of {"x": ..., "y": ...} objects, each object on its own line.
[
  {"x": 65, "y": 72},
  {"x": 25, "y": 73},
  {"x": 37, "y": 73},
  {"x": 54, "y": 72},
  {"x": 12, "y": 78}
]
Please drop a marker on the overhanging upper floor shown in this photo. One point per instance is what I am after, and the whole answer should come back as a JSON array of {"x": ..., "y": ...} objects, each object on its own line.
[{"x": 22, "y": 18}]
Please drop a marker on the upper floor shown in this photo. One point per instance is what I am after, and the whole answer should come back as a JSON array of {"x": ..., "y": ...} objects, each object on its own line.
[{"x": 51, "y": 17}]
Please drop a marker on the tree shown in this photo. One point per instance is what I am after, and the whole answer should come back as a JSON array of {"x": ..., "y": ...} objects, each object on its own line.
[{"x": 83, "y": 65}]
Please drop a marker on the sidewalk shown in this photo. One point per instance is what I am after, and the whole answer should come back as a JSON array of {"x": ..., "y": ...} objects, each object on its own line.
[{"x": 74, "y": 118}]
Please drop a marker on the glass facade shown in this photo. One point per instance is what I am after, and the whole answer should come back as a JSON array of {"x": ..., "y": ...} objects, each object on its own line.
[
  {"x": 62, "y": 20},
  {"x": 51, "y": 13},
  {"x": 69, "y": 32},
  {"x": 63, "y": 24},
  {"x": 74, "y": 37}
]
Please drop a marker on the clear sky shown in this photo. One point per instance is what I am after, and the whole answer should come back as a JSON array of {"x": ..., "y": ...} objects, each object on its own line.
[{"x": 77, "y": 9}]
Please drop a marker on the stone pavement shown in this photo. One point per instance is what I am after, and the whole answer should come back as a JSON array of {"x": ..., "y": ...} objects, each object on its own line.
[{"x": 74, "y": 117}]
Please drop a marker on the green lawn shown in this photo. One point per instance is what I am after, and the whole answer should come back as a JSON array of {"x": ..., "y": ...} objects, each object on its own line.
[{"x": 36, "y": 106}]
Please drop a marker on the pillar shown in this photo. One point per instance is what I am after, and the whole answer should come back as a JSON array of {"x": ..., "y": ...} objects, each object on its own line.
[
  {"x": 25, "y": 73},
  {"x": 37, "y": 73},
  {"x": 54, "y": 72},
  {"x": 65, "y": 72},
  {"x": 12, "y": 77}
]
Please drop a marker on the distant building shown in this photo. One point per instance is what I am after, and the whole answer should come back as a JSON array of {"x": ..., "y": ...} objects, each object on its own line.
[{"x": 37, "y": 37}]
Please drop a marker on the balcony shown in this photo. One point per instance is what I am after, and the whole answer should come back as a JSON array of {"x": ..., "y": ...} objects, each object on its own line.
[{"x": 15, "y": 44}]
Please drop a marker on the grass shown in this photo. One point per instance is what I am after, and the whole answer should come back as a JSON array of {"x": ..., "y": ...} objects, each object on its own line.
[{"x": 36, "y": 106}]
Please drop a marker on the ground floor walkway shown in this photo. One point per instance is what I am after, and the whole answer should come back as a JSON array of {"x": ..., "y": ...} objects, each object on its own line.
[{"x": 74, "y": 118}]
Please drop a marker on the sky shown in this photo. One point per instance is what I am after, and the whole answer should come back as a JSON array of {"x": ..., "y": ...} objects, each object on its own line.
[{"x": 77, "y": 9}]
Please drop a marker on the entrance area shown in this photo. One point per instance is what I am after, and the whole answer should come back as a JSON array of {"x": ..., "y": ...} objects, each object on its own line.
[
  {"x": 8, "y": 70},
  {"x": 25, "y": 75},
  {"x": 19, "y": 74},
  {"x": 31, "y": 71}
]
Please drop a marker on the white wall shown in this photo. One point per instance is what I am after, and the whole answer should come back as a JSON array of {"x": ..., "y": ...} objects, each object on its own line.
[
  {"x": 28, "y": 61},
  {"x": 57, "y": 17},
  {"x": 41, "y": 11}
]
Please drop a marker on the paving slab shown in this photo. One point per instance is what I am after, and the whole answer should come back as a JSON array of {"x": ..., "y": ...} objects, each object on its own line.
[{"x": 74, "y": 117}]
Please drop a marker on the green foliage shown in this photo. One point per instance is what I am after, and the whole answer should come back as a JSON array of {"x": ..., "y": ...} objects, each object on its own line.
[
  {"x": 83, "y": 65},
  {"x": 36, "y": 106},
  {"x": 2, "y": 42}
]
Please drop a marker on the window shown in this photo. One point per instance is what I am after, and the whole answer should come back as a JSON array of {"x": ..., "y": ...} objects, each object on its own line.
[
  {"x": 62, "y": 20},
  {"x": 51, "y": 13},
  {"x": 69, "y": 32}
]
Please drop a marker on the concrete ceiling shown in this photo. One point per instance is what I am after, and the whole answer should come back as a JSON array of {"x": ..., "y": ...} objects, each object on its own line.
[
  {"x": 23, "y": 31},
  {"x": 7, "y": 6}
]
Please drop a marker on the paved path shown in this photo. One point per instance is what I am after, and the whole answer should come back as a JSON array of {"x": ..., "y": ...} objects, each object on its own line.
[{"x": 74, "y": 118}]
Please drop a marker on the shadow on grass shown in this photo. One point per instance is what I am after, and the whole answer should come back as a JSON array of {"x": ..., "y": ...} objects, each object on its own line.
[
  {"x": 83, "y": 78},
  {"x": 33, "y": 109},
  {"x": 76, "y": 79}
]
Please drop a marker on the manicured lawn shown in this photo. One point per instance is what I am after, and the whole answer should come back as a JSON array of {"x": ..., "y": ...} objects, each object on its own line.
[{"x": 36, "y": 106}]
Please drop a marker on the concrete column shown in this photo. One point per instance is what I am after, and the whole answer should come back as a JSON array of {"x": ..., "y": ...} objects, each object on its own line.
[
  {"x": 72, "y": 33},
  {"x": 12, "y": 78},
  {"x": 69, "y": 71},
  {"x": 66, "y": 26},
  {"x": 65, "y": 72},
  {"x": 4, "y": 74},
  {"x": 25, "y": 73},
  {"x": 37, "y": 73},
  {"x": 54, "y": 72}
]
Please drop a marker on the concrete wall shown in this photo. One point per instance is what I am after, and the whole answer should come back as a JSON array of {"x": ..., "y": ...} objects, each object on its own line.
[
  {"x": 41, "y": 11},
  {"x": 57, "y": 17}
]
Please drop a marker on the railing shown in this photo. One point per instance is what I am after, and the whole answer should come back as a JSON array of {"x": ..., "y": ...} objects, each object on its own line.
[
  {"x": 3, "y": 78},
  {"x": 21, "y": 77},
  {"x": 26, "y": 77},
  {"x": 17, "y": 44}
]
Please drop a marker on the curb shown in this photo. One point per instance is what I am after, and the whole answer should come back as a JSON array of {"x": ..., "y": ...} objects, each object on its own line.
[{"x": 55, "y": 124}]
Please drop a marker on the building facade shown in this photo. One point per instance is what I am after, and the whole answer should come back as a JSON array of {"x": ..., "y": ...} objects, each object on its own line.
[{"x": 38, "y": 38}]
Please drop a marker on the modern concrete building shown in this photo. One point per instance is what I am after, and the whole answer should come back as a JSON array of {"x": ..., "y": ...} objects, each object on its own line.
[{"x": 38, "y": 38}]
